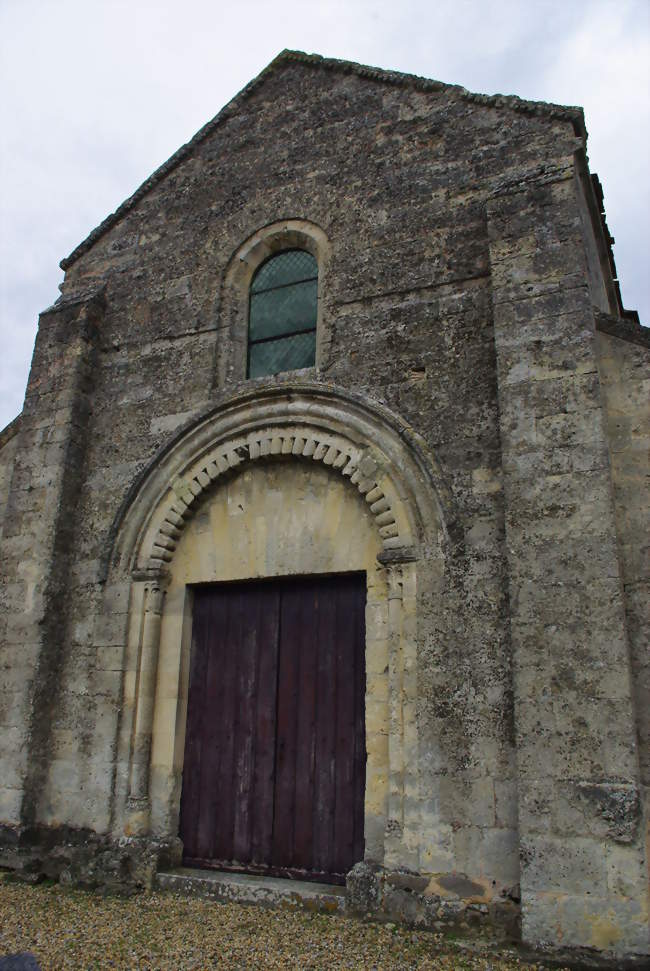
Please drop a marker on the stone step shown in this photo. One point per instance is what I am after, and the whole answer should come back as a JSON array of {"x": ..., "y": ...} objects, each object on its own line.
[{"x": 244, "y": 888}]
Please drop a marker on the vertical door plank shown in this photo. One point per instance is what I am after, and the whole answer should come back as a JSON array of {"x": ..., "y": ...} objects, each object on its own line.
[
  {"x": 191, "y": 790},
  {"x": 216, "y": 630},
  {"x": 359, "y": 675},
  {"x": 286, "y": 743},
  {"x": 245, "y": 697},
  {"x": 306, "y": 728},
  {"x": 325, "y": 789},
  {"x": 344, "y": 714},
  {"x": 263, "y": 787},
  {"x": 214, "y": 801},
  {"x": 223, "y": 794}
]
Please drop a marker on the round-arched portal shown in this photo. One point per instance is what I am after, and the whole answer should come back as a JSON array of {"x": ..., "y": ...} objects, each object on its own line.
[
  {"x": 290, "y": 480},
  {"x": 286, "y": 520}
]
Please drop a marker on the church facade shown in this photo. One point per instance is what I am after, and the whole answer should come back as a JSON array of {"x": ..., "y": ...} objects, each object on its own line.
[{"x": 322, "y": 524}]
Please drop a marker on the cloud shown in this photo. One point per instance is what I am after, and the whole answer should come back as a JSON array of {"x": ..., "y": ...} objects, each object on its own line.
[{"x": 97, "y": 95}]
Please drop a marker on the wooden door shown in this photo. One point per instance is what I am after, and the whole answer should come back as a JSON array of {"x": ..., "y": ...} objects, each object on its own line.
[{"x": 274, "y": 772}]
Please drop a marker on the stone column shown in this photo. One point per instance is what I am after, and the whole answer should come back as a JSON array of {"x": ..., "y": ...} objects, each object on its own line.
[
  {"x": 38, "y": 536},
  {"x": 138, "y": 804},
  {"x": 582, "y": 857},
  {"x": 395, "y": 821},
  {"x": 401, "y": 843}
]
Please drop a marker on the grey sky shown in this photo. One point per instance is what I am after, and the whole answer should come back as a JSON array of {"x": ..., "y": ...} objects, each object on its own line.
[{"x": 97, "y": 93}]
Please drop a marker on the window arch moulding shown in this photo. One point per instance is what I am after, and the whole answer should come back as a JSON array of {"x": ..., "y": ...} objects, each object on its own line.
[{"x": 233, "y": 309}]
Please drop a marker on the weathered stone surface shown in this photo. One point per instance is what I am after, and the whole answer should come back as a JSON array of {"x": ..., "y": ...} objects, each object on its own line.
[
  {"x": 248, "y": 889},
  {"x": 364, "y": 887},
  {"x": 460, "y": 886},
  {"x": 372, "y": 891},
  {"x": 19, "y": 962},
  {"x": 83, "y": 858},
  {"x": 473, "y": 437}
]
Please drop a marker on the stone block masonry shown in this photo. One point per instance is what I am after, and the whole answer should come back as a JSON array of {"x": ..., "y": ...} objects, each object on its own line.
[{"x": 470, "y": 438}]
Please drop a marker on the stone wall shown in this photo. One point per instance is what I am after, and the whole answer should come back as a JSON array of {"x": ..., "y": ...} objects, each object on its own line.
[
  {"x": 457, "y": 298},
  {"x": 409, "y": 309},
  {"x": 10, "y": 679},
  {"x": 623, "y": 369},
  {"x": 577, "y": 754},
  {"x": 8, "y": 447},
  {"x": 38, "y": 545}
]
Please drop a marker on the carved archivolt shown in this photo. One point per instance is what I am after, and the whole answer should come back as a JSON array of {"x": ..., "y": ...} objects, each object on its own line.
[
  {"x": 388, "y": 463},
  {"x": 297, "y": 441},
  {"x": 405, "y": 493}
]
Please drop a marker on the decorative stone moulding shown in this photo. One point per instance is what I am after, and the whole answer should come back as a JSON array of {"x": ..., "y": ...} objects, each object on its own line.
[
  {"x": 297, "y": 441},
  {"x": 306, "y": 422},
  {"x": 413, "y": 514},
  {"x": 234, "y": 296}
]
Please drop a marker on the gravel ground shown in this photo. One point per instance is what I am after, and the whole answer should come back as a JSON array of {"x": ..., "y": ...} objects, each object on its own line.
[{"x": 67, "y": 928}]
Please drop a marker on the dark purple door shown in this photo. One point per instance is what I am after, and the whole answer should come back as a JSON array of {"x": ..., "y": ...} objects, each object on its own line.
[{"x": 275, "y": 759}]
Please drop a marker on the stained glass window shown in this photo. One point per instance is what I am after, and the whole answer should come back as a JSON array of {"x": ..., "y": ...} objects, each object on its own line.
[{"x": 282, "y": 314}]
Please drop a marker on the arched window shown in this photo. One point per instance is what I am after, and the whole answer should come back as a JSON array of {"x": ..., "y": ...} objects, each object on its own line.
[{"x": 282, "y": 314}]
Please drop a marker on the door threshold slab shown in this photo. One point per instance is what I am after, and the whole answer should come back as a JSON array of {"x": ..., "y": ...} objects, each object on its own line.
[{"x": 245, "y": 888}]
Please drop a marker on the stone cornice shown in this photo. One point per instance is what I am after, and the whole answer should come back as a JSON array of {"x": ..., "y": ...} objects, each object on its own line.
[{"x": 625, "y": 328}]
